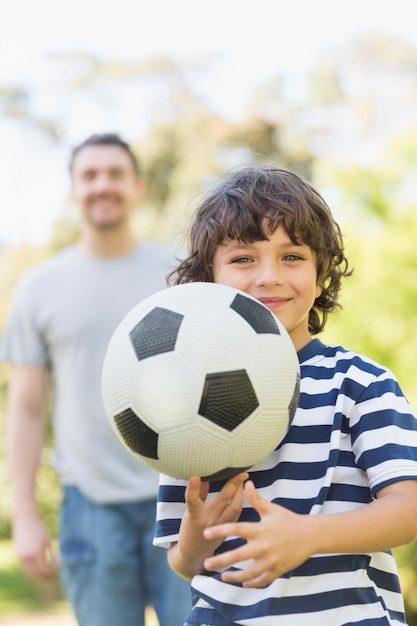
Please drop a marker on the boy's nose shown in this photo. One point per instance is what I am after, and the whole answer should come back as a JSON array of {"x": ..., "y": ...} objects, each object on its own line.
[{"x": 269, "y": 276}]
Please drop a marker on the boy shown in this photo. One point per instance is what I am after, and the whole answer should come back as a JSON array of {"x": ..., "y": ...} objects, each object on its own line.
[{"x": 307, "y": 539}]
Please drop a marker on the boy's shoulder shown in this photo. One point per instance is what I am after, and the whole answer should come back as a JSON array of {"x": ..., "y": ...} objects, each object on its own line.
[{"x": 333, "y": 356}]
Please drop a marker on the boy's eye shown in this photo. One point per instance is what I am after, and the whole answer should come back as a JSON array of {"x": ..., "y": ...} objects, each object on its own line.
[
  {"x": 242, "y": 259},
  {"x": 292, "y": 257}
]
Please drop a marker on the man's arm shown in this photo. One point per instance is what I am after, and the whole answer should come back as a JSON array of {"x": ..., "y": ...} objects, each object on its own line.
[{"x": 24, "y": 443}]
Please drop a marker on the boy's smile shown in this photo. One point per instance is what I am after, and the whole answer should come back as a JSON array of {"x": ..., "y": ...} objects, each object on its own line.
[{"x": 278, "y": 273}]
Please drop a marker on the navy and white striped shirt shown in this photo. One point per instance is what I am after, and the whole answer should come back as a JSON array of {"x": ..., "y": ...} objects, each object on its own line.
[{"x": 353, "y": 433}]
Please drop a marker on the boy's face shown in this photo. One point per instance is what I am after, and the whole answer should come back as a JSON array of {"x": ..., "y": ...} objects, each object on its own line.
[
  {"x": 105, "y": 186},
  {"x": 278, "y": 273}
]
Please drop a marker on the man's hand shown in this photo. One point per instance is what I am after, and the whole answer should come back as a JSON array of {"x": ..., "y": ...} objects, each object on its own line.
[{"x": 34, "y": 549}]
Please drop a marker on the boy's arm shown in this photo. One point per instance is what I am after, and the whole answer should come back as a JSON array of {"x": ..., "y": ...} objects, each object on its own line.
[
  {"x": 24, "y": 443},
  {"x": 283, "y": 540},
  {"x": 387, "y": 522}
]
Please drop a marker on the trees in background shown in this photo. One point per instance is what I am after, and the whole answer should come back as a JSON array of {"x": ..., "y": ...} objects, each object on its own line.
[{"x": 349, "y": 126}]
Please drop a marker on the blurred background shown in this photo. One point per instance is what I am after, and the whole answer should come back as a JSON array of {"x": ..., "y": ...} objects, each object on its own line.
[{"x": 328, "y": 89}]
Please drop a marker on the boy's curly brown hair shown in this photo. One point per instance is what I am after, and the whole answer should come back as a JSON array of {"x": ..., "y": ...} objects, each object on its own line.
[{"x": 248, "y": 205}]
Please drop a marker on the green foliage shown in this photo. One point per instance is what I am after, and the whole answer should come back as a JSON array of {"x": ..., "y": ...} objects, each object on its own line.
[
  {"x": 380, "y": 299},
  {"x": 379, "y": 316},
  {"x": 4, "y": 491},
  {"x": 406, "y": 558},
  {"x": 65, "y": 232}
]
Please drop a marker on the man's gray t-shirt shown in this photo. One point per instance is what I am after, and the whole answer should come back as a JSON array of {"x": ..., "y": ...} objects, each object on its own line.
[{"x": 63, "y": 314}]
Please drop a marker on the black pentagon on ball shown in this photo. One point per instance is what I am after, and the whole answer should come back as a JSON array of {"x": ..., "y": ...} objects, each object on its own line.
[
  {"x": 137, "y": 436},
  {"x": 225, "y": 473},
  {"x": 257, "y": 316},
  {"x": 155, "y": 333},
  {"x": 228, "y": 398},
  {"x": 294, "y": 400}
]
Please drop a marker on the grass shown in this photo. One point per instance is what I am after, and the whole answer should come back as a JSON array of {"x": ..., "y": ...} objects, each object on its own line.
[{"x": 20, "y": 594}]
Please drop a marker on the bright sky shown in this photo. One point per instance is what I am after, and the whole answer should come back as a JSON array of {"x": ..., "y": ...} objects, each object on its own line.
[{"x": 251, "y": 41}]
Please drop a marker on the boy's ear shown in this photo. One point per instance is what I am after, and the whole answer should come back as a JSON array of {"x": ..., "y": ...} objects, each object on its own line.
[{"x": 319, "y": 290}]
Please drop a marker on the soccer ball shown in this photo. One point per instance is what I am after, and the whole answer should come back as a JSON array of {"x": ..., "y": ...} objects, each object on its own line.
[{"x": 200, "y": 379}]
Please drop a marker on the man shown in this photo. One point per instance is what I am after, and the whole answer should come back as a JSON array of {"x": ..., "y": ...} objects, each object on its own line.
[{"x": 62, "y": 317}]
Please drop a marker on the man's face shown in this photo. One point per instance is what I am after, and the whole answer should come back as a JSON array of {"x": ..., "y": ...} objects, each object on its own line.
[{"x": 105, "y": 186}]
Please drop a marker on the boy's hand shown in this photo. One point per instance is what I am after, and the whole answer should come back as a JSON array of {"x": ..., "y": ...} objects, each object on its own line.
[
  {"x": 279, "y": 542},
  {"x": 225, "y": 506},
  {"x": 202, "y": 511}
]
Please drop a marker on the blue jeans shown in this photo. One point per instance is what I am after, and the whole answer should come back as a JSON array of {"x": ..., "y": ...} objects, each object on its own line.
[{"x": 110, "y": 570}]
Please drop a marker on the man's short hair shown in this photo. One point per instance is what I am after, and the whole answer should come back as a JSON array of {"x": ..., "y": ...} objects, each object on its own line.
[{"x": 106, "y": 139}]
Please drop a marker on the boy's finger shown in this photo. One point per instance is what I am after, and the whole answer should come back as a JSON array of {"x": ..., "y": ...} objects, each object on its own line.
[{"x": 192, "y": 491}]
